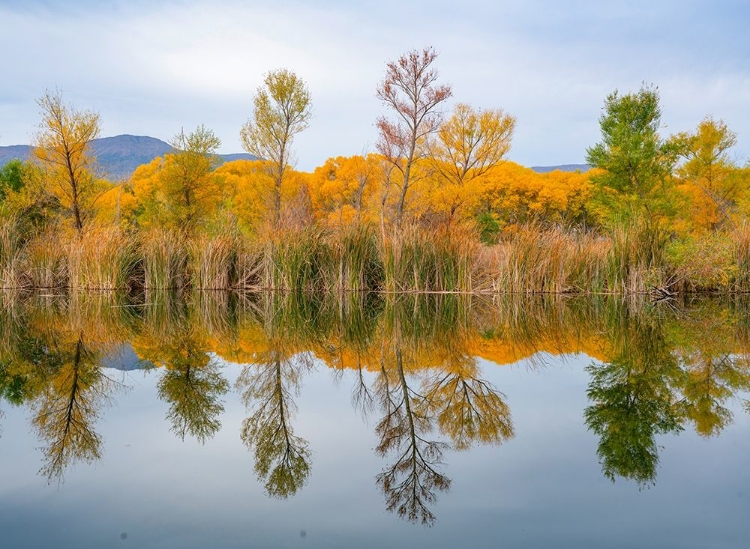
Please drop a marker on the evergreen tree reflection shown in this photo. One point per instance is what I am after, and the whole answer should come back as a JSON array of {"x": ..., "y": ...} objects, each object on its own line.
[{"x": 633, "y": 399}]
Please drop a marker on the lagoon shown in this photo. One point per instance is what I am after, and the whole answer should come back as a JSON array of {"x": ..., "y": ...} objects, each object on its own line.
[{"x": 293, "y": 420}]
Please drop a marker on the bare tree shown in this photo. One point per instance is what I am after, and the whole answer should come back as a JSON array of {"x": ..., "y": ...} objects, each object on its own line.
[{"x": 410, "y": 90}]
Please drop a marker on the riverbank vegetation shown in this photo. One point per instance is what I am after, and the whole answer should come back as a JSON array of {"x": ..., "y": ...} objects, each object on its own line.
[{"x": 437, "y": 207}]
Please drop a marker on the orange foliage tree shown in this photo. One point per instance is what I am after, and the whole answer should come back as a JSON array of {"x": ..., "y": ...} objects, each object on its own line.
[{"x": 344, "y": 189}]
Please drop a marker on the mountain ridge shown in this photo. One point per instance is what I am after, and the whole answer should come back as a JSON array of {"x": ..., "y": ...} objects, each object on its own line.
[
  {"x": 562, "y": 168},
  {"x": 117, "y": 156}
]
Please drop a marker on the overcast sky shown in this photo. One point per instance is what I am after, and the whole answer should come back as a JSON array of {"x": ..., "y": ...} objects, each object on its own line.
[{"x": 153, "y": 67}]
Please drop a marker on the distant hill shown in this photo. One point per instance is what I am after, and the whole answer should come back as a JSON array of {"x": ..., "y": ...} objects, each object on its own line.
[
  {"x": 562, "y": 168},
  {"x": 118, "y": 156}
]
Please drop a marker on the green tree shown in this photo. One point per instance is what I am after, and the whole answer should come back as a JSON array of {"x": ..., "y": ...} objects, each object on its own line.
[
  {"x": 282, "y": 109},
  {"x": 636, "y": 162},
  {"x": 11, "y": 178}
]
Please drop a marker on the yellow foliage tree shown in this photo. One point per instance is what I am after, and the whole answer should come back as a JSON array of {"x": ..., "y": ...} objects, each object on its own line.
[
  {"x": 62, "y": 147},
  {"x": 282, "y": 109},
  {"x": 250, "y": 194},
  {"x": 518, "y": 195},
  {"x": 467, "y": 145},
  {"x": 181, "y": 189},
  {"x": 248, "y": 187},
  {"x": 710, "y": 179}
]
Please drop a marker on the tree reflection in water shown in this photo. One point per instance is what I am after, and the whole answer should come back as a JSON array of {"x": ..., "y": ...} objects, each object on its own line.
[
  {"x": 410, "y": 483},
  {"x": 73, "y": 394},
  {"x": 268, "y": 387},
  {"x": 413, "y": 361},
  {"x": 282, "y": 459},
  {"x": 193, "y": 385}
]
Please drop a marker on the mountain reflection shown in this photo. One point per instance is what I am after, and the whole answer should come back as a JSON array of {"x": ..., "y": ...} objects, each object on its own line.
[{"x": 415, "y": 363}]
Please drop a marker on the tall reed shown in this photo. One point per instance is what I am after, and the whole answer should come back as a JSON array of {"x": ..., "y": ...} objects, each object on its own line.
[
  {"x": 45, "y": 262},
  {"x": 10, "y": 252},
  {"x": 299, "y": 260},
  {"x": 103, "y": 258},
  {"x": 741, "y": 240},
  {"x": 418, "y": 260},
  {"x": 535, "y": 260},
  {"x": 213, "y": 261},
  {"x": 360, "y": 266},
  {"x": 249, "y": 266},
  {"x": 636, "y": 257},
  {"x": 164, "y": 257}
]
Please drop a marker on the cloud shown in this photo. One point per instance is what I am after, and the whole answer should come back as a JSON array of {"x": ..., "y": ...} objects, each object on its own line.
[{"x": 153, "y": 68}]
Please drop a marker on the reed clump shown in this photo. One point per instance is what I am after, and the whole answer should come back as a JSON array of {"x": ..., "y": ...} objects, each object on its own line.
[
  {"x": 102, "y": 258},
  {"x": 740, "y": 239},
  {"x": 704, "y": 262},
  {"x": 712, "y": 261},
  {"x": 164, "y": 256},
  {"x": 248, "y": 265},
  {"x": 213, "y": 261},
  {"x": 11, "y": 248},
  {"x": 417, "y": 260},
  {"x": 636, "y": 258},
  {"x": 298, "y": 260},
  {"x": 45, "y": 262},
  {"x": 535, "y": 260},
  {"x": 359, "y": 263}
]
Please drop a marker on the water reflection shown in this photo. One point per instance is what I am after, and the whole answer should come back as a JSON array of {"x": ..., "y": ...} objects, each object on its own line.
[
  {"x": 632, "y": 399},
  {"x": 55, "y": 370},
  {"x": 282, "y": 459},
  {"x": 413, "y": 362},
  {"x": 663, "y": 371}
]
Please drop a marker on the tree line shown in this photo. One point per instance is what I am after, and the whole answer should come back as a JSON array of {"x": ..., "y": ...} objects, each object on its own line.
[{"x": 431, "y": 168}]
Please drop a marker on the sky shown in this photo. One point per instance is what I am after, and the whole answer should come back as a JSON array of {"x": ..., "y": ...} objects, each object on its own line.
[{"x": 154, "y": 68}]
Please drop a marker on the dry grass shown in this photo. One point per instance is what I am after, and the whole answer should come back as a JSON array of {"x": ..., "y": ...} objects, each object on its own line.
[
  {"x": 213, "y": 260},
  {"x": 632, "y": 259},
  {"x": 164, "y": 257},
  {"x": 45, "y": 262},
  {"x": 10, "y": 253},
  {"x": 545, "y": 261},
  {"x": 418, "y": 260},
  {"x": 102, "y": 259}
]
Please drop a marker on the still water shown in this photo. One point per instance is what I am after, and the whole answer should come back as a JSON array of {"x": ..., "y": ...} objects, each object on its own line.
[{"x": 223, "y": 420}]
